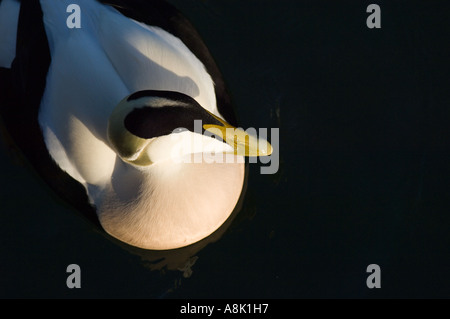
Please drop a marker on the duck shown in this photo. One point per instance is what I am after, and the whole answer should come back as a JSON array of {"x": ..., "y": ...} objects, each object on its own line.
[{"x": 125, "y": 116}]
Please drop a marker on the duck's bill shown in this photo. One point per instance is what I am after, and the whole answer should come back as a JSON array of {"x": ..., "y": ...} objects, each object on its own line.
[{"x": 243, "y": 143}]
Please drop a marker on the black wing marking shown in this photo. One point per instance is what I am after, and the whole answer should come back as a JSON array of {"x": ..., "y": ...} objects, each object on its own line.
[{"x": 21, "y": 90}]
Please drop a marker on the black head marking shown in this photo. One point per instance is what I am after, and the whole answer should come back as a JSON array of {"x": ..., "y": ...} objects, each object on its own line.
[
  {"x": 170, "y": 95},
  {"x": 148, "y": 122}
]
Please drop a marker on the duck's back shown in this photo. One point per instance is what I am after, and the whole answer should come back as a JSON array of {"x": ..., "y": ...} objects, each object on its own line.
[{"x": 96, "y": 65}]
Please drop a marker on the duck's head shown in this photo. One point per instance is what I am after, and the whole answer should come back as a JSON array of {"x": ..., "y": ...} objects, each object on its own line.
[
  {"x": 149, "y": 126},
  {"x": 179, "y": 171}
]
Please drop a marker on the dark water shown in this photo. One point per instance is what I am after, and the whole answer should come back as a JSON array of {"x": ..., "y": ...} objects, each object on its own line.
[{"x": 364, "y": 167}]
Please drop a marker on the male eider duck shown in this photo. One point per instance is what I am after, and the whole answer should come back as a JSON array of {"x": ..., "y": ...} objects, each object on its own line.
[{"x": 124, "y": 111}]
